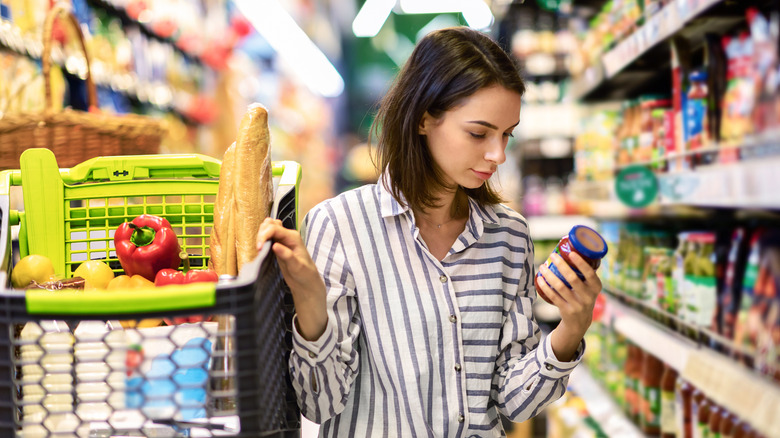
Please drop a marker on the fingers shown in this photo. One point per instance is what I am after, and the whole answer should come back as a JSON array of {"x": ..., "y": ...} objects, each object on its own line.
[
  {"x": 556, "y": 284},
  {"x": 583, "y": 266},
  {"x": 566, "y": 271},
  {"x": 272, "y": 229}
]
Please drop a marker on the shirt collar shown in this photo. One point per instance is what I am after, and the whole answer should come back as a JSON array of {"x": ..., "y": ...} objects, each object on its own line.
[{"x": 389, "y": 206}]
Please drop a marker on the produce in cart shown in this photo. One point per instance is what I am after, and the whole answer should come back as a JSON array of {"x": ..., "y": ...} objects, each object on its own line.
[{"x": 146, "y": 245}]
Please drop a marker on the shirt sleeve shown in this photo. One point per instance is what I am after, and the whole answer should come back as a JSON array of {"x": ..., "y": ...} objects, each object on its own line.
[
  {"x": 322, "y": 371},
  {"x": 528, "y": 376}
]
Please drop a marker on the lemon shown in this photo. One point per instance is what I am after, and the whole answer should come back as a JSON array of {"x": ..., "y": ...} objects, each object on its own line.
[
  {"x": 96, "y": 274},
  {"x": 33, "y": 267}
]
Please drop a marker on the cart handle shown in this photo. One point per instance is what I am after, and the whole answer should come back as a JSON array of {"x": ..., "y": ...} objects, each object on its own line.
[
  {"x": 97, "y": 302},
  {"x": 128, "y": 167}
]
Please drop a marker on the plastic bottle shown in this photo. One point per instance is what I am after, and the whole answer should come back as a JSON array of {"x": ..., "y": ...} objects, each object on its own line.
[
  {"x": 702, "y": 417},
  {"x": 650, "y": 415},
  {"x": 634, "y": 378},
  {"x": 716, "y": 416},
  {"x": 668, "y": 407},
  {"x": 100, "y": 352},
  {"x": 683, "y": 408},
  {"x": 727, "y": 423},
  {"x": 582, "y": 240},
  {"x": 697, "y": 110}
]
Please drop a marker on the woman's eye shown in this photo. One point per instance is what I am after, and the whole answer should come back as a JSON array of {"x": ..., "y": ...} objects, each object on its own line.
[
  {"x": 475, "y": 135},
  {"x": 508, "y": 134}
]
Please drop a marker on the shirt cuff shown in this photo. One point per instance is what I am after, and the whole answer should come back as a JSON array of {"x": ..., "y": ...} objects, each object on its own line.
[
  {"x": 313, "y": 352},
  {"x": 551, "y": 366}
]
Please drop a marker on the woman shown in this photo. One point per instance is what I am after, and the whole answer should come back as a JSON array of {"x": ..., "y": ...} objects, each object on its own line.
[{"x": 414, "y": 295}]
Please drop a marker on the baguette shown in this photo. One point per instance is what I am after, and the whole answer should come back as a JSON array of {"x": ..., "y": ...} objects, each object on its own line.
[
  {"x": 253, "y": 185},
  {"x": 223, "y": 241}
]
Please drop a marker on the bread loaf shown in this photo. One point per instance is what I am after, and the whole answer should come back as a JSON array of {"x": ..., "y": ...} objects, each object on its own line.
[
  {"x": 253, "y": 184},
  {"x": 223, "y": 241}
]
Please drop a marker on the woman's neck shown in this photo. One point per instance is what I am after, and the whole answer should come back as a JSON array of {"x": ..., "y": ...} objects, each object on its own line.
[{"x": 451, "y": 206}]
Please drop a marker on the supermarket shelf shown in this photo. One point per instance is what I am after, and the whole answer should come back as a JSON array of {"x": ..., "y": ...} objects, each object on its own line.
[
  {"x": 601, "y": 405},
  {"x": 146, "y": 30},
  {"x": 663, "y": 343},
  {"x": 157, "y": 94},
  {"x": 751, "y": 396},
  {"x": 750, "y": 184},
  {"x": 635, "y": 63},
  {"x": 555, "y": 227}
]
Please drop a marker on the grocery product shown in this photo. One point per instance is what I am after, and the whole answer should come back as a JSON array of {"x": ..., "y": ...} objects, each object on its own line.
[
  {"x": 146, "y": 245},
  {"x": 31, "y": 268},
  {"x": 683, "y": 408},
  {"x": 668, "y": 413},
  {"x": 222, "y": 242},
  {"x": 253, "y": 184},
  {"x": 650, "y": 394},
  {"x": 582, "y": 240},
  {"x": 96, "y": 274},
  {"x": 696, "y": 127},
  {"x": 173, "y": 276}
]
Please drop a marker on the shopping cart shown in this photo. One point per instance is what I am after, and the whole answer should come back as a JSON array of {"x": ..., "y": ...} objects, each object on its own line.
[{"x": 99, "y": 363}]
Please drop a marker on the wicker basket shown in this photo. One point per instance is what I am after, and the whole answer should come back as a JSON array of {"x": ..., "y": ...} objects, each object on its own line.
[{"x": 75, "y": 136}]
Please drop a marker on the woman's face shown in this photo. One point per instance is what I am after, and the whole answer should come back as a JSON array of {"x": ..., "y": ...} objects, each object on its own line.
[{"x": 468, "y": 141}]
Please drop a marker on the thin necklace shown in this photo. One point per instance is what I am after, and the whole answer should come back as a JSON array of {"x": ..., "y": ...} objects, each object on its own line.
[{"x": 438, "y": 226}]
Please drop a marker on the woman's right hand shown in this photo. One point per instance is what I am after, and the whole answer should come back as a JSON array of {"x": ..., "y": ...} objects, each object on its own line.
[{"x": 301, "y": 275}]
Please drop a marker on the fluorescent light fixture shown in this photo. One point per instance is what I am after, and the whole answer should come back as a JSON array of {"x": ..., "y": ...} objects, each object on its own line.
[
  {"x": 430, "y": 6},
  {"x": 477, "y": 13},
  {"x": 293, "y": 45},
  {"x": 371, "y": 17}
]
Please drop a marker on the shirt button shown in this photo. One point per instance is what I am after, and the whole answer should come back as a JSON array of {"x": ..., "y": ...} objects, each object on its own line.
[
  {"x": 443, "y": 278},
  {"x": 549, "y": 367},
  {"x": 312, "y": 354},
  {"x": 453, "y": 318},
  {"x": 461, "y": 418},
  {"x": 457, "y": 367}
]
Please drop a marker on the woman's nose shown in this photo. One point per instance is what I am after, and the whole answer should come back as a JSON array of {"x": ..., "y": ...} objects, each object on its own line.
[{"x": 496, "y": 153}]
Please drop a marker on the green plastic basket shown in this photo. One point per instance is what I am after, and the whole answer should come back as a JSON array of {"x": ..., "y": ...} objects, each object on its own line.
[{"x": 71, "y": 214}]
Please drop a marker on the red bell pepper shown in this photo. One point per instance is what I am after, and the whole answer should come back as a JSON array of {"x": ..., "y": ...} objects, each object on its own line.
[
  {"x": 165, "y": 277},
  {"x": 146, "y": 245}
]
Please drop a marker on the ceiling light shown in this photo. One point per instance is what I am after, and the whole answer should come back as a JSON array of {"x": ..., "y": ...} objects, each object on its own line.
[
  {"x": 371, "y": 17},
  {"x": 293, "y": 45}
]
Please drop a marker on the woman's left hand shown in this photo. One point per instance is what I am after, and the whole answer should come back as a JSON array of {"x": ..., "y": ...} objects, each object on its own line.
[{"x": 575, "y": 304}]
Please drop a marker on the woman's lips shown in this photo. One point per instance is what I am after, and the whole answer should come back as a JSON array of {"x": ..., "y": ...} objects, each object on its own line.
[{"x": 482, "y": 175}]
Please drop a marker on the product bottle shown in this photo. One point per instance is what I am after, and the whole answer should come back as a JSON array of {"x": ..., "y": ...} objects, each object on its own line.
[
  {"x": 683, "y": 404},
  {"x": 727, "y": 422},
  {"x": 582, "y": 240},
  {"x": 650, "y": 414},
  {"x": 696, "y": 120},
  {"x": 743, "y": 430},
  {"x": 668, "y": 414},
  {"x": 716, "y": 417},
  {"x": 702, "y": 417},
  {"x": 634, "y": 373}
]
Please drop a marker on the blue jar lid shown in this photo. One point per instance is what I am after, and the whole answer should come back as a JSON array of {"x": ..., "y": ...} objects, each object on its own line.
[{"x": 588, "y": 242}]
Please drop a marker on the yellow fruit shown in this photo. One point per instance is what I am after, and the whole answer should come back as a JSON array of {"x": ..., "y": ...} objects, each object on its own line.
[
  {"x": 33, "y": 267},
  {"x": 127, "y": 282},
  {"x": 96, "y": 274}
]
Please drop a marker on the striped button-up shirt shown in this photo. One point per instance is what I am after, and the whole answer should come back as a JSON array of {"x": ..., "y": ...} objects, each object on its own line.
[{"x": 415, "y": 346}]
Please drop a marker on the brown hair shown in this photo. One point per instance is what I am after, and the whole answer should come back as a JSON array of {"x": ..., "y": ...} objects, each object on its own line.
[{"x": 446, "y": 66}]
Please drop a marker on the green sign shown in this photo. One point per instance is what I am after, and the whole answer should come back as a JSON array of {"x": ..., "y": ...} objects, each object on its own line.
[{"x": 636, "y": 186}]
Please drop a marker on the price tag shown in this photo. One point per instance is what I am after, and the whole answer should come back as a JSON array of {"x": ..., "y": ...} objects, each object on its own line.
[{"x": 636, "y": 186}]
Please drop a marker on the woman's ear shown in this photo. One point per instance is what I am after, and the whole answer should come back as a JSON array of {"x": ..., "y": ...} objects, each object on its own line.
[{"x": 425, "y": 124}]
